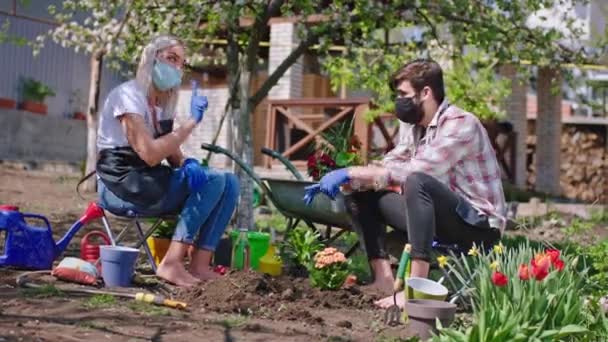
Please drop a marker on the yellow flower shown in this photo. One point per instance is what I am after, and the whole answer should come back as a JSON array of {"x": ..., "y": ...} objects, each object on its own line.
[
  {"x": 494, "y": 266},
  {"x": 442, "y": 260},
  {"x": 474, "y": 251},
  {"x": 498, "y": 249}
]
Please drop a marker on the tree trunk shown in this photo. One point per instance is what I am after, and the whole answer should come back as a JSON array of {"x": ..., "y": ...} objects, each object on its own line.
[
  {"x": 94, "y": 87},
  {"x": 243, "y": 148}
]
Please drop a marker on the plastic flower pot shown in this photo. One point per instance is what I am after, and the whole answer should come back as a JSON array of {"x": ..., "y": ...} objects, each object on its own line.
[
  {"x": 118, "y": 265},
  {"x": 258, "y": 244},
  {"x": 422, "y": 315},
  {"x": 422, "y": 288},
  {"x": 158, "y": 248}
]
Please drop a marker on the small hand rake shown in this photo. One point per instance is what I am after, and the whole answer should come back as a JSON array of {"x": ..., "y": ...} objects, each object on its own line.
[{"x": 392, "y": 316}]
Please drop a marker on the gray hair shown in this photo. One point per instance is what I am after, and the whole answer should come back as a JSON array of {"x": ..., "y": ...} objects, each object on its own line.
[{"x": 146, "y": 65}]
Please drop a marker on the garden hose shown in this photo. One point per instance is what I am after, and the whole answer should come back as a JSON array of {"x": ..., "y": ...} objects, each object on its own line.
[{"x": 24, "y": 281}]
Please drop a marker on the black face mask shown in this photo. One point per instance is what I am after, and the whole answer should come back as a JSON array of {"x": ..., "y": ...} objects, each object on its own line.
[{"x": 408, "y": 111}]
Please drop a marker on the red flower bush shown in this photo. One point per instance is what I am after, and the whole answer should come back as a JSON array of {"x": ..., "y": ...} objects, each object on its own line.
[{"x": 318, "y": 164}]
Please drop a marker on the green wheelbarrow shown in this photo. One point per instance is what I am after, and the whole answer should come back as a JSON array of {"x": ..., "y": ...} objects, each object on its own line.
[{"x": 287, "y": 196}]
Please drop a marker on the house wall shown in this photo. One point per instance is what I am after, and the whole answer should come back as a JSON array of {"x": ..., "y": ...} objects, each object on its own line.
[
  {"x": 30, "y": 137},
  {"x": 65, "y": 71}
]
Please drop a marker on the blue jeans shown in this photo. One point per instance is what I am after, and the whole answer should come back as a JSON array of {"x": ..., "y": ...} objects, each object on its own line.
[{"x": 205, "y": 213}]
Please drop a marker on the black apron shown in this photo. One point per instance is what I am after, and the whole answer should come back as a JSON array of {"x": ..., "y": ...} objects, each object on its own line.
[{"x": 128, "y": 177}]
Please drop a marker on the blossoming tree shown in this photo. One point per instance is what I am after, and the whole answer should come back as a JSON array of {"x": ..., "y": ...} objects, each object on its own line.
[{"x": 118, "y": 29}]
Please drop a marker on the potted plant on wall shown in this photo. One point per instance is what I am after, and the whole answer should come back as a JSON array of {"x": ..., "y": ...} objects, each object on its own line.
[{"x": 33, "y": 94}]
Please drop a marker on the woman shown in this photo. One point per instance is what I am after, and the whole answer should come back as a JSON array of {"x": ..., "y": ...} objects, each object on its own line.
[{"x": 135, "y": 135}]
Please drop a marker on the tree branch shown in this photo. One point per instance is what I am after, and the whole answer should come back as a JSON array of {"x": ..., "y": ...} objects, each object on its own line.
[
  {"x": 260, "y": 24},
  {"x": 431, "y": 26}
]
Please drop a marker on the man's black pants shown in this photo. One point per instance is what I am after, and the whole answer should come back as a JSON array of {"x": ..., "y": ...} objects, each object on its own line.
[{"x": 427, "y": 210}]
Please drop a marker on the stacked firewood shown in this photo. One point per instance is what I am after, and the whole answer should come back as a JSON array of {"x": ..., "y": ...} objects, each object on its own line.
[{"x": 584, "y": 164}]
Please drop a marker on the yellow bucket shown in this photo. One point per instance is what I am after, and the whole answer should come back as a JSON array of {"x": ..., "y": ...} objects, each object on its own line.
[{"x": 158, "y": 248}]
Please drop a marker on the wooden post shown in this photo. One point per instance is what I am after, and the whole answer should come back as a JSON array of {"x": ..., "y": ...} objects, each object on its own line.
[{"x": 362, "y": 130}]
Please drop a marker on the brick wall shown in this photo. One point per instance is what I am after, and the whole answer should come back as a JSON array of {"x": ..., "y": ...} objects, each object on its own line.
[
  {"x": 205, "y": 131},
  {"x": 283, "y": 37}
]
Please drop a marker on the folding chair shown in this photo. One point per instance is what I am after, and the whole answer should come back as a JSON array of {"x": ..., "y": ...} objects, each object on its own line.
[{"x": 142, "y": 235}]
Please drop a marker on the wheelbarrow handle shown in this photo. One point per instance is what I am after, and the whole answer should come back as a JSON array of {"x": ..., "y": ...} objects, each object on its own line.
[
  {"x": 276, "y": 155},
  {"x": 248, "y": 170}
]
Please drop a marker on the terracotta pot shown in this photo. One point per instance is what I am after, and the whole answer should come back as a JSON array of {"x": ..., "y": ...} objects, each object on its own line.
[
  {"x": 7, "y": 103},
  {"x": 34, "y": 107},
  {"x": 79, "y": 116},
  {"x": 423, "y": 312}
]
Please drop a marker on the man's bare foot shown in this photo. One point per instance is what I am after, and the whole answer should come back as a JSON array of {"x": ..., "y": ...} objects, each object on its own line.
[
  {"x": 205, "y": 274},
  {"x": 175, "y": 273},
  {"x": 389, "y": 301}
]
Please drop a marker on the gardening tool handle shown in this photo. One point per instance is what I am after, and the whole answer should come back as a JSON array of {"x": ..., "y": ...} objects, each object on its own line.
[
  {"x": 159, "y": 300},
  {"x": 405, "y": 258}
]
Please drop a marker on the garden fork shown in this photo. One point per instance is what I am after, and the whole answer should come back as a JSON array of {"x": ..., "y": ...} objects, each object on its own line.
[{"x": 392, "y": 316}]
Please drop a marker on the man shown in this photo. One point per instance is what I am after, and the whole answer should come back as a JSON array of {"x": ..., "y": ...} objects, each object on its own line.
[{"x": 446, "y": 174}]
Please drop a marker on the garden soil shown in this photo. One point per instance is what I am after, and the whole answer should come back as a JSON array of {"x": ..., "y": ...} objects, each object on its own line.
[{"x": 241, "y": 306}]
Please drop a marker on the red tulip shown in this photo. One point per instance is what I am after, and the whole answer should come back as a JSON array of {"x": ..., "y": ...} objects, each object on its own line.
[
  {"x": 524, "y": 272},
  {"x": 540, "y": 266},
  {"x": 553, "y": 253},
  {"x": 559, "y": 264},
  {"x": 499, "y": 279}
]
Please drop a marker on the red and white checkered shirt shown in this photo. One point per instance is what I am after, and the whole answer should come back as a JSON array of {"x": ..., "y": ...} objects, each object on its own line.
[{"x": 457, "y": 151}]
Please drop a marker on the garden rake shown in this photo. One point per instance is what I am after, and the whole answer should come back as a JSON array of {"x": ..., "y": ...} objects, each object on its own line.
[{"x": 392, "y": 316}]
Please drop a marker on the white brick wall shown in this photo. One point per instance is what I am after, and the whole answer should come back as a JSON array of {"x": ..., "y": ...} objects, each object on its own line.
[
  {"x": 283, "y": 37},
  {"x": 205, "y": 131}
]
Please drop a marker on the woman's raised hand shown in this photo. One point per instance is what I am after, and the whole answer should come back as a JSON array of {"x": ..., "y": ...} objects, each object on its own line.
[{"x": 198, "y": 103}]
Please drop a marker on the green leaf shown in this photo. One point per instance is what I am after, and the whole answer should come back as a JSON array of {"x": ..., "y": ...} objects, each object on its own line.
[{"x": 344, "y": 159}]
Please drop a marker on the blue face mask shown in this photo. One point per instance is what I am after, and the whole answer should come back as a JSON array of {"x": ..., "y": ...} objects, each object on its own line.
[{"x": 166, "y": 76}]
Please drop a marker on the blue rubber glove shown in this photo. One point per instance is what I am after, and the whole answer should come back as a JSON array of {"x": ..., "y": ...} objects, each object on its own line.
[
  {"x": 330, "y": 183},
  {"x": 195, "y": 174},
  {"x": 198, "y": 103},
  {"x": 311, "y": 192}
]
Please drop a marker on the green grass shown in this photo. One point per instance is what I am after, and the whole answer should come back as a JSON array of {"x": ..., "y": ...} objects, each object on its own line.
[
  {"x": 149, "y": 309},
  {"x": 233, "y": 321},
  {"x": 44, "y": 291},
  {"x": 100, "y": 301}
]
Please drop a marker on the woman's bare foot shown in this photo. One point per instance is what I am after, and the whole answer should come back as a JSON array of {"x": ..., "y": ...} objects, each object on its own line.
[
  {"x": 389, "y": 301},
  {"x": 200, "y": 265},
  {"x": 205, "y": 274},
  {"x": 175, "y": 273}
]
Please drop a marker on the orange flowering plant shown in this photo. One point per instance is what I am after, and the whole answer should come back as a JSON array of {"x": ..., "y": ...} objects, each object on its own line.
[
  {"x": 330, "y": 269},
  {"x": 524, "y": 294}
]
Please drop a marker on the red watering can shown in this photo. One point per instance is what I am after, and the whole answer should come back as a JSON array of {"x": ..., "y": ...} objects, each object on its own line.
[{"x": 89, "y": 251}]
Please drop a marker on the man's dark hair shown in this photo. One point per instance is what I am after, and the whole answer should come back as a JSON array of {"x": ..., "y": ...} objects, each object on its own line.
[{"x": 421, "y": 73}]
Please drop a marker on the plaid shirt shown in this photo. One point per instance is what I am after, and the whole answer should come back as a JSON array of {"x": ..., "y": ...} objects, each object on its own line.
[{"x": 457, "y": 151}]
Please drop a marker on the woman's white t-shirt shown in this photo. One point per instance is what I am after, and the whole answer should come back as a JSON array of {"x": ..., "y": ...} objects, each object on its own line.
[{"x": 128, "y": 97}]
